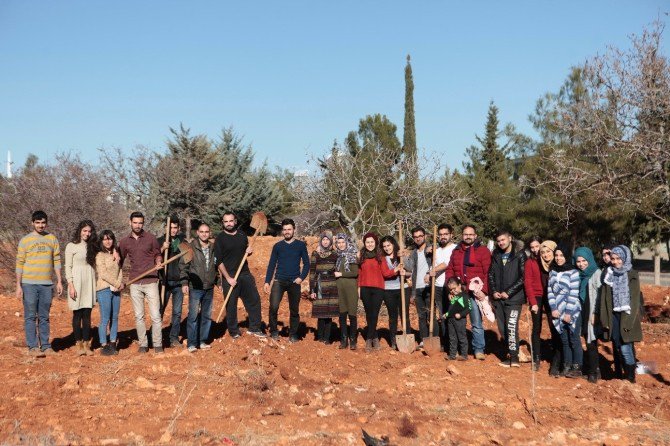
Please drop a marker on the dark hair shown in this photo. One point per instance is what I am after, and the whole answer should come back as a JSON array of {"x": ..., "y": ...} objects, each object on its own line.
[
  {"x": 288, "y": 221},
  {"x": 137, "y": 214},
  {"x": 174, "y": 220},
  {"x": 91, "y": 243},
  {"x": 393, "y": 241},
  {"x": 534, "y": 238},
  {"x": 418, "y": 229},
  {"x": 109, "y": 234},
  {"x": 464, "y": 227},
  {"x": 377, "y": 251},
  {"x": 446, "y": 226},
  {"x": 39, "y": 215},
  {"x": 502, "y": 231},
  {"x": 228, "y": 213},
  {"x": 454, "y": 279},
  {"x": 202, "y": 223}
]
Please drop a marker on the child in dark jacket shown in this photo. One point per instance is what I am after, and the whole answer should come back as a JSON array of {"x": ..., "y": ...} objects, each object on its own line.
[{"x": 459, "y": 308}]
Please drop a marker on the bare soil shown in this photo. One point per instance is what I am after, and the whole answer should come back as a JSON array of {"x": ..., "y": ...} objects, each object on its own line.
[{"x": 261, "y": 392}]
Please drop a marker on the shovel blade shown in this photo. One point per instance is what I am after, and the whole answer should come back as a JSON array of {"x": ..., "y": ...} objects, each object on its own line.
[
  {"x": 431, "y": 345},
  {"x": 405, "y": 343}
]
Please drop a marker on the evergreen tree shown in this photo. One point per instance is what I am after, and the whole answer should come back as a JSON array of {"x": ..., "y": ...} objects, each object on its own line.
[{"x": 409, "y": 131}]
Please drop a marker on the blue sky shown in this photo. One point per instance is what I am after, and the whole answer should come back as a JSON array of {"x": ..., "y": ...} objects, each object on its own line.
[{"x": 289, "y": 76}]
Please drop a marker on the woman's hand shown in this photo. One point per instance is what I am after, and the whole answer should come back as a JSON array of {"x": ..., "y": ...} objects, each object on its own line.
[
  {"x": 567, "y": 319},
  {"x": 71, "y": 291},
  {"x": 534, "y": 309},
  {"x": 337, "y": 274},
  {"x": 555, "y": 314},
  {"x": 312, "y": 296}
]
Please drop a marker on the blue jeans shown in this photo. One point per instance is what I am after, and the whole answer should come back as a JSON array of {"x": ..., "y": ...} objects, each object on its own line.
[
  {"x": 572, "y": 344},
  {"x": 174, "y": 289},
  {"x": 478, "y": 341},
  {"x": 626, "y": 348},
  {"x": 37, "y": 305},
  {"x": 199, "y": 300},
  {"x": 110, "y": 303}
]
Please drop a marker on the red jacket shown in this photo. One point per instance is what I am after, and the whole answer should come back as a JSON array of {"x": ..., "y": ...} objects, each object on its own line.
[
  {"x": 479, "y": 264},
  {"x": 533, "y": 284},
  {"x": 370, "y": 274}
]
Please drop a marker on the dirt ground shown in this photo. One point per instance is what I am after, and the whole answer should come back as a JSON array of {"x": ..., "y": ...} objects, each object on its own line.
[{"x": 261, "y": 392}]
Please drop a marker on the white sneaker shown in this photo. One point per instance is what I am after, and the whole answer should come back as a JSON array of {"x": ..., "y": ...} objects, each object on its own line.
[
  {"x": 192, "y": 349},
  {"x": 204, "y": 346}
]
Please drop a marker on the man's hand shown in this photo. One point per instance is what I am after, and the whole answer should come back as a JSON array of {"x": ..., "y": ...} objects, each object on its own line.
[
  {"x": 534, "y": 309},
  {"x": 249, "y": 250},
  {"x": 298, "y": 281},
  {"x": 426, "y": 278},
  {"x": 504, "y": 295},
  {"x": 116, "y": 256},
  {"x": 184, "y": 289},
  {"x": 59, "y": 288},
  {"x": 266, "y": 288},
  {"x": 165, "y": 246},
  {"x": 71, "y": 291},
  {"x": 457, "y": 316},
  {"x": 555, "y": 314},
  {"x": 19, "y": 292},
  {"x": 231, "y": 281},
  {"x": 496, "y": 295},
  {"x": 403, "y": 272}
]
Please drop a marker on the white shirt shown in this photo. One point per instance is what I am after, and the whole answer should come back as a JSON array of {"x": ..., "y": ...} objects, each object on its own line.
[
  {"x": 443, "y": 255},
  {"x": 421, "y": 268}
]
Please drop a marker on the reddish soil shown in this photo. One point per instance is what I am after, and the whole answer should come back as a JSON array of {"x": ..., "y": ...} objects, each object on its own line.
[{"x": 260, "y": 392}]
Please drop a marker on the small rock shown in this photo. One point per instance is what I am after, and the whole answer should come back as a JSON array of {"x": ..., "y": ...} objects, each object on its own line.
[
  {"x": 410, "y": 384},
  {"x": 109, "y": 441},
  {"x": 453, "y": 370},
  {"x": 518, "y": 425},
  {"x": 144, "y": 383},
  {"x": 468, "y": 394},
  {"x": 489, "y": 403},
  {"x": 17, "y": 314},
  {"x": 362, "y": 420},
  {"x": 321, "y": 413},
  {"x": 301, "y": 399},
  {"x": 264, "y": 423},
  {"x": 72, "y": 383},
  {"x": 255, "y": 352}
]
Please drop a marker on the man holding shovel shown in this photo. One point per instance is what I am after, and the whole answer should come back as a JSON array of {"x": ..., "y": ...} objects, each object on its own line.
[
  {"x": 229, "y": 250},
  {"x": 173, "y": 279},
  {"x": 143, "y": 251},
  {"x": 418, "y": 263}
]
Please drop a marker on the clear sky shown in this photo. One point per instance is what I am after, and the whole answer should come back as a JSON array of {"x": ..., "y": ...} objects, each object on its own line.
[{"x": 290, "y": 76}]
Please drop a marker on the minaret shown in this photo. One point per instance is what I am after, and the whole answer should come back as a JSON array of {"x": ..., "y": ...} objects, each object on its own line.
[{"x": 9, "y": 164}]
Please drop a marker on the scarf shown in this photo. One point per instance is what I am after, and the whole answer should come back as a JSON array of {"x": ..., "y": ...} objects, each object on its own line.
[
  {"x": 585, "y": 275},
  {"x": 617, "y": 278},
  {"x": 346, "y": 256},
  {"x": 547, "y": 244},
  {"x": 567, "y": 266},
  {"x": 325, "y": 252},
  {"x": 469, "y": 258}
]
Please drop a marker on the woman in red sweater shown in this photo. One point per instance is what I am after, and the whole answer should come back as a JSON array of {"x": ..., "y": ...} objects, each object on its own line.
[
  {"x": 371, "y": 284},
  {"x": 535, "y": 288}
]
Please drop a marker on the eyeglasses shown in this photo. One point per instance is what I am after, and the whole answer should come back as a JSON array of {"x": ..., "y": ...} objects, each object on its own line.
[{"x": 418, "y": 236}]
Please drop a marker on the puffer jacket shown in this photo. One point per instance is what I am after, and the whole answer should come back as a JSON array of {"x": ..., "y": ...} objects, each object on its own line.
[{"x": 509, "y": 277}]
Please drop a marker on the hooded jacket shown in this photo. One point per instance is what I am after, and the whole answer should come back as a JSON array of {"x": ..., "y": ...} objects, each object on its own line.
[{"x": 508, "y": 278}]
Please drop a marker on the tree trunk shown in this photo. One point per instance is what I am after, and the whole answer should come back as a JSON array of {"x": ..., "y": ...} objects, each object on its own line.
[
  {"x": 657, "y": 264},
  {"x": 187, "y": 228}
]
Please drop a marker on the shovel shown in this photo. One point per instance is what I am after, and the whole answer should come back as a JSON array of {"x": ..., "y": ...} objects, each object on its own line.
[
  {"x": 185, "y": 251},
  {"x": 165, "y": 284},
  {"x": 405, "y": 342},
  {"x": 431, "y": 344},
  {"x": 260, "y": 223}
]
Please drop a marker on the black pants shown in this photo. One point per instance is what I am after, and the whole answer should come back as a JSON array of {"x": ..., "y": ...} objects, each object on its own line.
[
  {"x": 81, "y": 324},
  {"x": 458, "y": 337},
  {"x": 591, "y": 367},
  {"x": 507, "y": 317},
  {"x": 352, "y": 331},
  {"x": 393, "y": 303},
  {"x": 422, "y": 301},
  {"x": 372, "y": 302},
  {"x": 535, "y": 334},
  {"x": 323, "y": 327},
  {"x": 279, "y": 287},
  {"x": 245, "y": 290}
]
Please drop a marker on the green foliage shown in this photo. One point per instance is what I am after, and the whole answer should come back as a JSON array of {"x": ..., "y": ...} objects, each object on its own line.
[{"x": 409, "y": 131}]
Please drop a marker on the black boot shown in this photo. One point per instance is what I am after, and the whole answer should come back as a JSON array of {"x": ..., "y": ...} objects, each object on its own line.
[
  {"x": 353, "y": 332},
  {"x": 555, "y": 368},
  {"x": 630, "y": 372},
  {"x": 617, "y": 364},
  {"x": 344, "y": 339}
]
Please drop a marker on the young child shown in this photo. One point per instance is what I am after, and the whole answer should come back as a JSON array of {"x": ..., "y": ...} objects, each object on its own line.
[{"x": 459, "y": 307}]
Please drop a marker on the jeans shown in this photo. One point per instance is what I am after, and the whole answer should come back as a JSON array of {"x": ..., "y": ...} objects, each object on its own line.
[
  {"x": 276, "y": 294},
  {"x": 110, "y": 303},
  {"x": 626, "y": 348},
  {"x": 37, "y": 305},
  {"x": 478, "y": 340},
  {"x": 199, "y": 309},
  {"x": 173, "y": 289},
  {"x": 245, "y": 290},
  {"x": 572, "y": 344},
  {"x": 422, "y": 301},
  {"x": 138, "y": 294},
  {"x": 507, "y": 317},
  {"x": 372, "y": 302}
]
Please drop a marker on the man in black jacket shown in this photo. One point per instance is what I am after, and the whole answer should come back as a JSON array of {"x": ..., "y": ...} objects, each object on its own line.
[
  {"x": 506, "y": 288},
  {"x": 199, "y": 280},
  {"x": 172, "y": 282}
]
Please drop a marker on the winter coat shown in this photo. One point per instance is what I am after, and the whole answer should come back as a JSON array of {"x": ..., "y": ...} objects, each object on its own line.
[
  {"x": 200, "y": 274},
  {"x": 370, "y": 274},
  {"x": 477, "y": 268},
  {"x": 631, "y": 324},
  {"x": 533, "y": 284},
  {"x": 590, "y": 307},
  {"x": 173, "y": 270},
  {"x": 509, "y": 277},
  {"x": 563, "y": 296}
]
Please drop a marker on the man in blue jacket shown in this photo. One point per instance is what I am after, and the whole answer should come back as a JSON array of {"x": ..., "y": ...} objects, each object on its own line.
[{"x": 285, "y": 267}]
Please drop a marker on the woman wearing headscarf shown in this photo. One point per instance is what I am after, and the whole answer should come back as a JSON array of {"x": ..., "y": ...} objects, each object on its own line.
[
  {"x": 535, "y": 287},
  {"x": 620, "y": 303},
  {"x": 563, "y": 297},
  {"x": 589, "y": 292},
  {"x": 371, "y": 283},
  {"x": 323, "y": 286},
  {"x": 346, "y": 274}
]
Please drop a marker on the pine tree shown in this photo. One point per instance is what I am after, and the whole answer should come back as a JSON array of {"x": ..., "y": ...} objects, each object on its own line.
[{"x": 409, "y": 131}]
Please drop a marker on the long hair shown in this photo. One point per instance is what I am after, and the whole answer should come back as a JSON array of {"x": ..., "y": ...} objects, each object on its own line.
[
  {"x": 535, "y": 238},
  {"x": 109, "y": 234},
  {"x": 392, "y": 241},
  {"x": 377, "y": 251},
  {"x": 91, "y": 243}
]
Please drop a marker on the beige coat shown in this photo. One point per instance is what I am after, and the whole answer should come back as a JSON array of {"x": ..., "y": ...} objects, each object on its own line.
[{"x": 108, "y": 271}]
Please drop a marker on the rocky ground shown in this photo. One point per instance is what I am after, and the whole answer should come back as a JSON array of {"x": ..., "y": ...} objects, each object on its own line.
[{"x": 261, "y": 392}]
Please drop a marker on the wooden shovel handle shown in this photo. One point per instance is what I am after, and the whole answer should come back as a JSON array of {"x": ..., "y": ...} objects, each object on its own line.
[
  {"x": 157, "y": 267},
  {"x": 432, "y": 284}
]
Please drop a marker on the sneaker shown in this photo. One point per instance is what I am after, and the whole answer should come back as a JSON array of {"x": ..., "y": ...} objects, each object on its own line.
[
  {"x": 49, "y": 351},
  {"x": 159, "y": 350},
  {"x": 204, "y": 346},
  {"x": 175, "y": 343},
  {"x": 107, "y": 350},
  {"x": 573, "y": 373},
  {"x": 514, "y": 362},
  {"x": 235, "y": 336},
  {"x": 192, "y": 349},
  {"x": 36, "y": 352},
  {"x": 480, "y": 356},
  {"x": 421, "y": 344},
  {"x": 293, "y": 339},
  {"x": 450, "y": 357},
  {"x": 593, "y": 378},
  {"x": 462, "y": 358},
  {"x": 114, "y": 348},
  {"x": 275, "y": 336},
  {"x": 258, "y": 334},
  {"x": 505, "y": 363},
  {"x": 143, "y": 350}
]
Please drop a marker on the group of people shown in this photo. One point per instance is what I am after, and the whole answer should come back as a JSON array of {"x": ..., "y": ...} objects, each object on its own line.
[{"x": 578, "y": 297}]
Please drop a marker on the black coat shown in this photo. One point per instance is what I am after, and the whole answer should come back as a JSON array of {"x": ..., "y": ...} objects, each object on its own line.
[{"x": 508, "y": 278}]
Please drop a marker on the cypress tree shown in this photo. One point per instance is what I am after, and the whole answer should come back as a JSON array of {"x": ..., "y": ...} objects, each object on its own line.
[{"x": 409, "y": 136}]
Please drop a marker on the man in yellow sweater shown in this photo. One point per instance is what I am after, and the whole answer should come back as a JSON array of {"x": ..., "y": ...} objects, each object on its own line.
[{"x": 37, "y": 259}]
